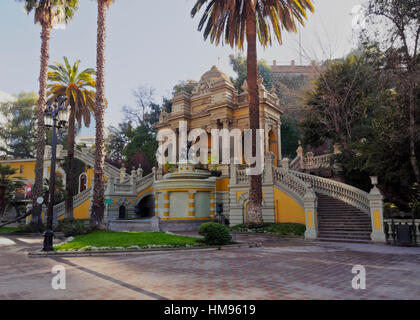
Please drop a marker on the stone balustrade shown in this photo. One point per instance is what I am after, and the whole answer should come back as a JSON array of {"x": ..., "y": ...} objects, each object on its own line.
[{"x": 351, "y": 195}]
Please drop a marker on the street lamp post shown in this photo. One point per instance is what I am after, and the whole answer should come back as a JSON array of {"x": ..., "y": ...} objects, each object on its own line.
[{"x": 56, "y": 117}]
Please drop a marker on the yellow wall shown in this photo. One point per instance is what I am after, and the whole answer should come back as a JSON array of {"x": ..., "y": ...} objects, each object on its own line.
[
  {"x": 82, "y": 211},
  {"x": 222, "y": 184},
  {"x": 28, "y": 169},
  {"x": 287, "y": 209}
]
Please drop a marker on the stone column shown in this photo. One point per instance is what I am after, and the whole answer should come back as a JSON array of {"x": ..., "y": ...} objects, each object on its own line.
[
  {"x": 166, "y": 204},
  {"x": 191, "y": 203},
  {"x": 266, "y": 136},
  {"x": 310, "y": 205},
  {"x": 376, "y": 213},
  {"x": 279, "y": 142},
  {"x": 157, "y": 204}
]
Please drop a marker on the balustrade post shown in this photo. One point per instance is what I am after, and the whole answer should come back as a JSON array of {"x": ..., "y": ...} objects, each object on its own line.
[
  {"x": 285, "y": 163},
  {"x": 376, "y": 213},
  {"x": 110, "y": 185},
  {"x": 311, "y": 219},
  {"x": 268, "y": 168}
]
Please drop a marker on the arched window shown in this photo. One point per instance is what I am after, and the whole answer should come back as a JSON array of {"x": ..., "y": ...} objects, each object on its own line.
[{"x": 83, "y": 182}]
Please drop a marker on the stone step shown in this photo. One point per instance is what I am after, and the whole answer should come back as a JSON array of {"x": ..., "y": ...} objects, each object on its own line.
[
  {"x": 339, "y": 221},
  {"x": 344, "y": 236},
  {"x": 345, "y": 228},
  {"x": 343, "y": 240},
  {"x": 345, "y": 233},
  {"x": 344, "y": 219}
]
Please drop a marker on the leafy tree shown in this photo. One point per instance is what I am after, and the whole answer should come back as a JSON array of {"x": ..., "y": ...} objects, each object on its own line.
[
  {"x": 98, "y": 203},
  {"x": 355, "y": 103},
  {"x": 18, "y": 130},
  {"x": 400, "y": 43},
  {"x": 341, "y": 102},
  {"x": 47, "y": 13},
  {"x": 66, "y": 80},
  {"x": 234, "y": 21},
  {"x": 187, "y": 86},
  {"x": 117, "y": 139},
  {"x": 145, "y": 99},
  {"x": 143, "y": 140},
  {"x": 239, "y": 65},
  {"x": 8, "y": 186},
  {"x": 290, "y": 137}
]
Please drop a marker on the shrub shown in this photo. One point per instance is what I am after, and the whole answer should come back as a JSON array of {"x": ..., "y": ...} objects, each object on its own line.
[
  {"x": 72, "y": 227},
  {"x": 295, "y": 229},
  {"x": 215, "y": 233},
  {"x": 31, "y": 228}
]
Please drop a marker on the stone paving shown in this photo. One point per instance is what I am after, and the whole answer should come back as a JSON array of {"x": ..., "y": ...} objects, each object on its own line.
[{"x": 280, "y": 269}]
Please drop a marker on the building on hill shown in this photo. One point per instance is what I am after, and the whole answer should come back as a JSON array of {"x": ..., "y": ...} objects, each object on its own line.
[
  {"x": 88, "y": 140},
  {"x": 291, "y": 82}
]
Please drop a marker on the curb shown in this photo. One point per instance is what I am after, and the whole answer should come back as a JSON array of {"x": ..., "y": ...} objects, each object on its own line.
[
  {"x": 273, "y": 235},
  {"x": 57, "y": 235},
  {"x": 102, "y": 253}
]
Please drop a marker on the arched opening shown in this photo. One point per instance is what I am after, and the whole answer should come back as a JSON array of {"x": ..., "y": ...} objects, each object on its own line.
[
  {"x": 122, "y": 212},
  {"x": 273, "y": 146},
  {"x": 146, "y": 207},
  {"x": 83, "y": 182}
]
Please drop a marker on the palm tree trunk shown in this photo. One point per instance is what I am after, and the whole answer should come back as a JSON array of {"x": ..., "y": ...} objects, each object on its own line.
[
  {"x": 98, "y": 206},
  {"x": 255, "y": 189},
  {"x": 69, "y": 169},
  {"x": 40, "y": 145}
]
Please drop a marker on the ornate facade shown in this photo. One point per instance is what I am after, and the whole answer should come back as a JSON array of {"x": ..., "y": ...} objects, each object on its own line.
[{"x": 215, "y": 104}]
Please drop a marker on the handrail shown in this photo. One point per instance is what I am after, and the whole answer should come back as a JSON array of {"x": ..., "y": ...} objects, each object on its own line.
[
  {"x": 89, "y": 159},
  {"x": 317, "y": 162},
  {"x": 141, "y": 182},
  {"x": 341, "y": 191},
  {"x": 296, "y": 187},
  {"x": 60, "y": 208}
]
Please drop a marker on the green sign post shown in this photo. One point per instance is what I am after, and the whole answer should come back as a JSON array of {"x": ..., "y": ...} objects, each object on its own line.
[{"x": 109, "y": 201}]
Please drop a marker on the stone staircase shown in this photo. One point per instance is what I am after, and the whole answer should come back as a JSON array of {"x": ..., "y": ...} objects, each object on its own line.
[{"x": 341, "y": 222}]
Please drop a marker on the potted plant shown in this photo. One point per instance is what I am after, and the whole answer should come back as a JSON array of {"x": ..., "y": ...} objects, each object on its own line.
[{"x": 214, "y": 168}]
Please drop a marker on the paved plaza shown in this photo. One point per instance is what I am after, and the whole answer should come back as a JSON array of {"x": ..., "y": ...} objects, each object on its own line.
[{"x": 279, "y": 269}]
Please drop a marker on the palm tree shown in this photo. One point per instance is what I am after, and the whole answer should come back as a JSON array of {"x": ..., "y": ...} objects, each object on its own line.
[
  {"x": 65, "y": 80},
  {"x": 98, "y": 205},
  {"x": 47, "y": 13},
  {"x": 235, "y": 21}
]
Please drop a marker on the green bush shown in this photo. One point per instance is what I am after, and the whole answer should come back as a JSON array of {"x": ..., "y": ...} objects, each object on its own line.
[
  {"x": 72, "y": 228},
  {"x": 215, "y": 233},
  {"x": 31, "y": 228}
]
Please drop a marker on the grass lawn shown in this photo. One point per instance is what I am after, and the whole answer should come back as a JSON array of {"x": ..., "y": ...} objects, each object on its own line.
[
  {"x": 112, "y": 239},
  {"x": 8, "y": 229},
  {"x": 294, "y": 229}
]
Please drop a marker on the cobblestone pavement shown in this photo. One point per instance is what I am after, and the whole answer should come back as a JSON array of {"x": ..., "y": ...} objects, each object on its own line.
[{"x": 280, "y": 269}]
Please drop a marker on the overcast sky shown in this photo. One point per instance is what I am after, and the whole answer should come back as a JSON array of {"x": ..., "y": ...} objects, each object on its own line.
[{"x": 152, "y": 43}]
